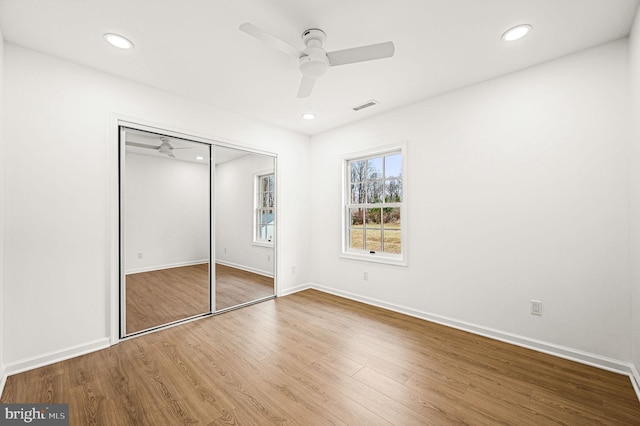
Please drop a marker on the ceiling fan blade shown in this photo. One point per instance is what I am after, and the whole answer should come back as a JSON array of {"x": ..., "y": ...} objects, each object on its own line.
[
  {"x": 141, "y": 145},
  {"x": 361, "y": 54},
  {"x": 306, "y": 86},
  {"x": 271, "y": 40},
  {"x": 187, "y": 147},
  {"x": 170, "y": 154}
]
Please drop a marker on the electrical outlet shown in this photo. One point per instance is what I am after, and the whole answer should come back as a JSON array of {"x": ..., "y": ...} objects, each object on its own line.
[
  {"x": 293, "y": 269},
  {"x": 536, "y": 307},
  {"x": 139, "y": 255},
  {"x": 225, "y": 249},
  {"x": 268, "y": 258},
  {"x": 365, "y": 276}
]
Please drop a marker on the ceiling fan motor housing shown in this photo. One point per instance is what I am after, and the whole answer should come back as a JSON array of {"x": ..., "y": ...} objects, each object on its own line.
[
  {"x": 314, "y": 61},
  {"x": 165, "y": 147}
]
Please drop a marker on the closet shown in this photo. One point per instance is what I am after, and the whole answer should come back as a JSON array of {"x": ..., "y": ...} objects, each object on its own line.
[{"x": 197, "y": 228}]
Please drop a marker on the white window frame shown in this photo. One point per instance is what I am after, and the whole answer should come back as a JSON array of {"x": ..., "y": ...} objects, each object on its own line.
[
  {"x": 364, "y": 255},
  {"x": 257, "y": 207}
]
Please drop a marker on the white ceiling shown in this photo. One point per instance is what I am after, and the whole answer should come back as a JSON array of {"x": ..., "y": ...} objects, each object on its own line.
[{"x": 194, "y": 47}]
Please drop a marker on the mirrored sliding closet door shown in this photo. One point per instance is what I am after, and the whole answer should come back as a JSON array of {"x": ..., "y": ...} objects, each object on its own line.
[
  {"x": 182, "y": 202},
  {"x": 165, "y": 230}
]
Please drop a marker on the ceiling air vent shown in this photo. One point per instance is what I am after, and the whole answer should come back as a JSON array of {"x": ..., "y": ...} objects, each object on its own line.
[{"x": 365, "y": 105}]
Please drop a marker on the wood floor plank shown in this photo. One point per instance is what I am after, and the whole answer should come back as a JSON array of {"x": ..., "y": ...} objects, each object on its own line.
[
  {"x": 210, "y": 402},
  {"x": 324, "y": 394},
  {"x": 374, "y": 399},
  {"x": 567, "y": 411},
  {"x": 247, "y": 392},
  {"x": 349, "y": 344},
  {"x": 437, "y": 381},
  {"x": 316, "y": 359},
  {"x": 436, "y": 407},
  {"x": 620, "y": 412},
  {"x": 292, "y": 361}
]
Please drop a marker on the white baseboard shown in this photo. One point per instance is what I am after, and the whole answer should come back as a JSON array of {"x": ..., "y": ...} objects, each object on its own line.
[
  {"x": 291, "y": 290},
  {"x": 245, "y": 268},
  {"x": 635, "y": 380},
  {"x": 55, "y": 356},
  {"x": 571, "y": 354},
  {"x": 169, "y": 266},
  {"x": 3, "y": 379}
]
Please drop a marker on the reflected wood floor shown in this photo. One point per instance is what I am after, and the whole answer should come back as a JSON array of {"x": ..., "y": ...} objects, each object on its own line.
[
  {"x": 166, "y": 295},
  {"x": 235, "y": 286},
  {"x": 163, "y": 296},
  {"x": 316, "y": 359}
]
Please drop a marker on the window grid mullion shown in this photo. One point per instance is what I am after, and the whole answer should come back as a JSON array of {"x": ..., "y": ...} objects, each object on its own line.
[
  {"x": 382, "y": 178},
  {"x": 364, "y": 228},
  {"x": 368, "y": 190}
]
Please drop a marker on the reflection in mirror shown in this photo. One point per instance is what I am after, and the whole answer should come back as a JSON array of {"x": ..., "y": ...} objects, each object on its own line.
[
  {"x": 166, "y": 235},
  {"x": 244, "y": 187}
]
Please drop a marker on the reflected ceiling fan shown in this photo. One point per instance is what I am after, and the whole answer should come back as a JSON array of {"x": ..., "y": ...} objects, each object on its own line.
[
  {"x": 314, "y": 61},
  {"x": 164, "y": 148}
]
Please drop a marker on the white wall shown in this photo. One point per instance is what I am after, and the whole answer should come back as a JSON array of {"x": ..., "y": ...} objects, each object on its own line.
[
  {"x": 167, "y": 213},
  {"x": 234, "y": 194},
  {"x": 59, "y": 201},
  {"x": 517, "y": 190},
  {"x": 2, "y": 158},
  {"x": 635, "y": 192}
]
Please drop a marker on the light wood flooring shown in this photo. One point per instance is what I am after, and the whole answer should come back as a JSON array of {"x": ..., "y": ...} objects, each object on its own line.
[
  {"x": 160, "y": 297},
  {"x": 316, "y": 359}
]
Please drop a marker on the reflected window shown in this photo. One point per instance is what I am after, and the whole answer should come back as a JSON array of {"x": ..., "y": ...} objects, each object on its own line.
[{"x": 265, "y": 209}]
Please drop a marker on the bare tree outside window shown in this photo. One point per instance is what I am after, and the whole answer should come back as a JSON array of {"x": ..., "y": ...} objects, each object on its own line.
[{"x": 375, "y": 203}]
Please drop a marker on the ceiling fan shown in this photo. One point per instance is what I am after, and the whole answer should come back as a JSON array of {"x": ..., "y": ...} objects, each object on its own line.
[
  {"x": 164, "y": 148},
  {"x": 314, "y": 61}
]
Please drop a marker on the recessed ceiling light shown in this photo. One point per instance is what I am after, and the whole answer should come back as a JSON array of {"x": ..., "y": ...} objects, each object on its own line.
[
  {"x": 199, "y": 157},
  {"x": 308, "y": 116},
  {"x": 516, "y": 33},
  {"x": 118, "y": 41}
]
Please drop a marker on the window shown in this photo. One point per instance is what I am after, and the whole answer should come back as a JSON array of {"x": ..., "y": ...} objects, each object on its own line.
[
  {"x": 374, "y": 207},
  {"x": 265, "y": 209}
]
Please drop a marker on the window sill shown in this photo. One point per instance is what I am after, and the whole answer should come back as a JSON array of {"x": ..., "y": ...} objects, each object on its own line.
[
  {"x": 261, "y": 244},
  {"x": 375, "y": 258}
]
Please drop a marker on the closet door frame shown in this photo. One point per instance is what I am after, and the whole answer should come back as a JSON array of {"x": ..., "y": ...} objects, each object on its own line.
[{"x": 118, "y": 287}]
